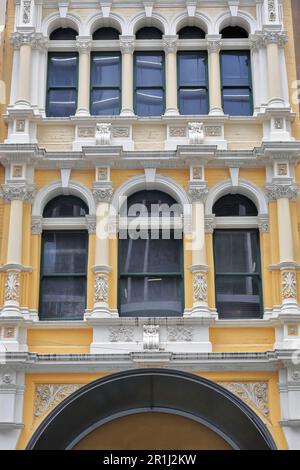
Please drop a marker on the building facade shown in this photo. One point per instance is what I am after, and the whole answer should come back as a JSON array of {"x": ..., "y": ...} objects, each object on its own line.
[{"x": 149, "y": 225}]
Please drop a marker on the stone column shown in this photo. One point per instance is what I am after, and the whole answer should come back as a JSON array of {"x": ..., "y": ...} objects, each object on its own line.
[
  {"x": 102, "y": 194},
  {"x": 127, "y": 48},
  {"x": 283, "y": 193},
  {"x": 170, "y": 46},
  {"x": 215, "y": 96},
  {"x": 273, "y": 40},
  {"x": 15, "y": 194},
  {"x": 198, "y": 193},
  {"x": 84, "y": 47}
]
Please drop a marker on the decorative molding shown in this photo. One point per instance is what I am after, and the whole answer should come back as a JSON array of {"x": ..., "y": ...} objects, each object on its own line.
[
  {"x": 274, "y": 37},
  {"x": 48, "y": 396},
  {"x": 177, "y": 131},
  {"x": 289, "y": 285},
  {"x": 263, "y": 224},
  {"x": 36, "y": 224},
  {"x": 277, "y": 191},
  {"x": 196, "y": 132},
  {"x": 103, "y": 133},
  {"x": 214, "y": 45},
  {"x": 8, "y": 332},
  {"x": 253, "y": 393},
  {"x": 210, "y": 223},
  {"x": 213, "y": 131},
  {"x": 102, "y": 193},
  {"x": 101, "y": 288},
  {"x": 151, "y": 337},
  {"x": 26, "y": 16},
  {"x": 272, "y": 14},
  {"x": 91, "y": 223},
  {"x": 127, "y": 44},
  {"x": 179, "y": 333},
  {"x": 121, "y": 132},
  {"x": 35, "y": 40},
  {"x": 200, "y": 287},
  {"x": 170, "y": 44},
  {"x": 17, "y": 191},
  {"x": 123, "y": 334},
  {"x": 85, "y": 132},
  {"x": 84, "y": 44},
  {"x": 12, "y": 287},
  {"x": 197, "y": 192}
]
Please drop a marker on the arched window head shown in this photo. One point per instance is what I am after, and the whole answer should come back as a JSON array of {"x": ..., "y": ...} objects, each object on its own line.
[
  {"x": 66, "y": 206},
  {"x": 63, "y": 34},
  {"x": 234, "y": 32},
  {"x": 191, "y": 32},
  {"x": 234, "y": 205},
  {"x": 153, "y": 201},
  {"x": 106, "y": 34},
  {"x": 148, "y": 32}
]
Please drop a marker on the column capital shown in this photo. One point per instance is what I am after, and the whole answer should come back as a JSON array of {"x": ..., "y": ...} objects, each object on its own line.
[
  {"x": 102, "y": 193},
  {"x": 214, "y": 43},
  {"x": 276, "y": 191},
  {"x": 127, "y": 44},
  {"x": 274, "y": 37},
  {"x": 16, "y": 191},
  {"x": 30, "y": 37},
  {"x": 256, "y": 41},
  {"x": 84, "y": 44},
  {"x": 197, "y": 192},
  {"x": 170, "y": 43}
]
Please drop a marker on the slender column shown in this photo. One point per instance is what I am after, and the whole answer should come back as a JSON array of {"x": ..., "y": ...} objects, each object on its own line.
[
  {"x": 127, "y": 48},
  {"x": 84, "y": 47},
  {"x": 170, "y": 46},
  {"x": 215, "y": 97},
  {"x": 274, "y": 40}
]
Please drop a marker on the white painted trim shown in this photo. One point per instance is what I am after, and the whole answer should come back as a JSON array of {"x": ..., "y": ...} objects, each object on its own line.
[
  {"x": 243, "y": 19},
  {"x": 54, "y": 189},
  {"x": 96, "y": 20},
  {"x": 182, "y": 19},
  {"x": 54, "y": 21},
  {"x": 236, "y": 222},
  {"x": 140, "y": 20}
]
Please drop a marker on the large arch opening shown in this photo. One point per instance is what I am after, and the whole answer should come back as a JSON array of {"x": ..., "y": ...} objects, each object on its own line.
[{"x": 160, "y": 394}]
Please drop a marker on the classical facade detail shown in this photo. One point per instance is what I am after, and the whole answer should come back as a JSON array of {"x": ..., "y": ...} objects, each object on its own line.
[
  {"x": 263, "y": 224},
  {"x": 35, "y": 40},
  {"x": 48, "y": 396},
  {"x": 278, "y": 191},
  {"x": 124, "y": 334},
  {"x": 26, "y": 11},
  {"x": 214, "y": 45},
  {"x": 91, "y": 223},
  {"x": 17, "y": 191},
  {"x": 9, "y": 332},
  {"x": 102, "y": 194},
  {"x": 170, "y": 44},
  {"x": 213, "y": 131},
  {"x": 101, "y": 288},
  {"x": 36, "y": 225},
  {"x": 151, "y": 337},
  {"x": 121, "y": 132},
  {"x": 85, "y": 132},
  {"x": 210, "y": 223},
  {"x": 127, "y": 44},
  {"x": 289, "y": 285},
  {"x": 179, "y": 333},
  {"x": 276, "y": 37},
  {"x": 196, "y": 132},
  {"x": 197, "y": 192},
  {"x": 200, "y": 287},
  {"x": 177, "y": 131},
  {"x": 103, "y": 133},
  {"x": 272, "y": 10},
  {"x": 83, "y": 44},
  {"x": 12, "y": 286},
  {"x": 253, "y": 393}
]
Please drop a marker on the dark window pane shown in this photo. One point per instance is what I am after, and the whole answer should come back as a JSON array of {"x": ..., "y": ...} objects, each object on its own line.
[
  {"x": 63, "y": 298},
  {"x": 234, "y": 205},
  {"x": 106, "y": 70},
  {"x": 236, "y": 251},
  {"x": 149, "y": 70},
  {"x": 237, "y": 102},
  {"x": 193, "y": 101},
  {"x": 151, "y": 296},
  {"x": 232, "y": 32},
  {"x": 238, "y": 296},
  {"x": 192, "y": 69},
  {"x": 63, "y": 34},
  {"x": 149, "y": 102},
  {"x": 62, "y": 103},
  {"x": 64, "y": 252},
  {"x": 62, "y": 71},
  {"x": 104, "y": 34},
  {"x": 148, "y": 33},
  {"x": 150, "y": 200},
  {"x": 191, "y": 32},
  {"x": 105, "y": 102},
  {"x": 235, "y": 68},
  {"x": 66, "y": 206}
]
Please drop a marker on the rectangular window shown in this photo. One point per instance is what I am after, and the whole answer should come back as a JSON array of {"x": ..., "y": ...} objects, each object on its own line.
[
  {"x": 192, "y": 83},
  {"x": 149, "y": 83},
  {"x": 236, "y": 83},
  {"x": 105, "y": 83},
  {"x": 238, "y": 274},
  {"x": 62, "y": 84},
  {"x": 63, "y": 275}
]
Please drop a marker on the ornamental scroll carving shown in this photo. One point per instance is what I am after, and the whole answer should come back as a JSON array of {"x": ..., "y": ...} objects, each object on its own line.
[
  {"x": 12, "y": 287},
  {"x": 278, "y": 191},
  {"x": 180, "y": 333},
  {"x": 200, "y": 287},
  {"x": 103, "y": 133},
  {"x": 150, "y": 337},
  {"x": 289, "y": 285},
  {"x": 272, "y": 10},
  {"x": 123, "y": 334},
  {"x": 103, "y": 194},
  {"x": 254, "y": 394},
  {"x": 48, "y": 396},
  {"x": 101, "y": 288},
  {"x": 26, "y": 11}
]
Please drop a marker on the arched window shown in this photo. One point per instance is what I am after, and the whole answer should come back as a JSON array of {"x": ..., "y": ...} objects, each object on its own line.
[
  {"x": 234, "y": 32},
  {"x": 150, "y": 257},
  {"x": 106, "y": 34},
  {"x": 63, "y": 34},
  {"x": 63, "y": 262},
  {"x": 237, "y": 259},
  {"x": 191, "y": 32},
  {"x": 148, "y": 32}
]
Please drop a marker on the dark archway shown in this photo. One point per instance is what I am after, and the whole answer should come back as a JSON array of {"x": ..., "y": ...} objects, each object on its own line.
[{"x": 155, "y": 390}]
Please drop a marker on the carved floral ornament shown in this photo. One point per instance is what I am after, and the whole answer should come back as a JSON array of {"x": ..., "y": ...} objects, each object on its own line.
[
  {"x": 48, "y": 396},
  {"x": 289, "y": 285},
  {"x": 26, "y": 18},
  {"x": 170, "y": 44},
  {"x": 272, "y": 10},
  {"x": 12, "y": 286},
  {"x": 103, "y": 194},
  {"x": 253, "y": 393},
  {"x": 198, "y": 192},
  {"x": 127, "y": 44},
  {"x": 22, "y": 192},
  {"x": 101, "y": 288},
  {"x": 279, "y": 191},
  {"x": 35, "y": 40},
  {"x": 200, "y": 287}
]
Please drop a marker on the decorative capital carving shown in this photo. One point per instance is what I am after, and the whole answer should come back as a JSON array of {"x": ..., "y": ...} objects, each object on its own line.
[
  {"x": 196, "y": 132},
  {"x": 102, "y": 193},
  {"x": 200, "y": 287},
  {"x": 263, "y": 223},
  {"x": 35, "y": 40},
  {"x": 36, "y": 225},
  {"x": 12, "y": 286},
  {"x": 289, "y": 285},
  {"x": 91, "y": 223},
  {"x": 275, "y": 37},
  {"x": 84, "y": 44},
  {"x": 170, "y": 44},
  {"x": 124, "y": 334},
  {"x": 197, "y": 192},
  {"x": 278, "y": 191},
  {"x": 214, "y": 44},
  {"x": 127, "y": 44},
  {"x": 101, "y": 288},
  {"x": 180, "y": 333},
  {"x": 23, "y": 192},
  {"x": 210, "y": 223},
  {"x": 103, "y": 133},
  {"x": 151, "y": 337}
]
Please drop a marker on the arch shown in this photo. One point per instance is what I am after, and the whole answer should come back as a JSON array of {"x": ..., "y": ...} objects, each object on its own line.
[
  {"x": 140, "y": 20},
  {"x": 156, "y": 390},
  {"x": 48, "y": 192},
  {"x": 243, "y": 19},
  {"x": 97, "y": 21},
  {"x": 200, "y": 19},
  {"x": 244, "y": 187},
  {"x": 54, "y": 21},
  {"x": 234, "y": 32}
]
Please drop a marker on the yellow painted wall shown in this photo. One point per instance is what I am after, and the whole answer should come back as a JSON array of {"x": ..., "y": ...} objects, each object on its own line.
[
  {"x": 59, "y": 340},
  {"x": 247, "y": 339}
]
